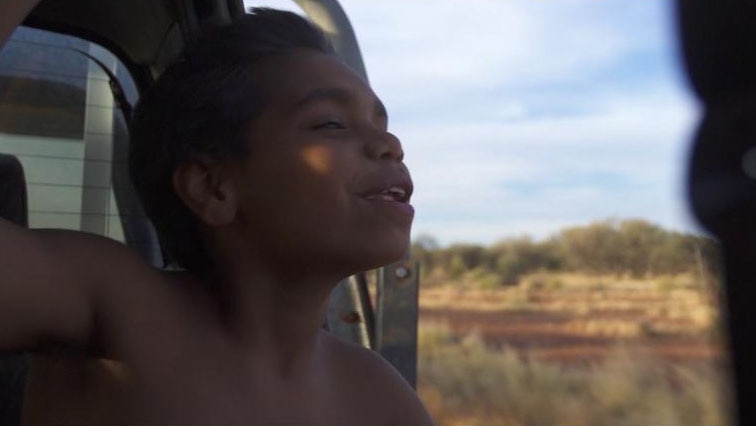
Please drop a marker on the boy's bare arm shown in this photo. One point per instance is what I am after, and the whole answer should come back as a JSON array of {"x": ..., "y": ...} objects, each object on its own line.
[{"x": 50, "y": 282}]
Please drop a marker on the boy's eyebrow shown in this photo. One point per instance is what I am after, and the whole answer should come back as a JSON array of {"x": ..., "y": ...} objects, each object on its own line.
[{"x": 338, "y": 94}]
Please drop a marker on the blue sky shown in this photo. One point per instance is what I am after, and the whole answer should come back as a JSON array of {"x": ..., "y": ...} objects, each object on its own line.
[{"x": 522, "y": 117}]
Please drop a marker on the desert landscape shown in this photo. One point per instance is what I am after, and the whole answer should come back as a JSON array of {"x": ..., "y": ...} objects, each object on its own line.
[{"x": 574, "y": 349}]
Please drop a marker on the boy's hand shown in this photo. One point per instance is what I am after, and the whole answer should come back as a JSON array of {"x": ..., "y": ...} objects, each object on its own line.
[{"x": 12, "y": 13}]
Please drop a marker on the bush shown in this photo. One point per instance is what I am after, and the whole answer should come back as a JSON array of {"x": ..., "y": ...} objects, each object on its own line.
[{"x": 631, "y": 247}]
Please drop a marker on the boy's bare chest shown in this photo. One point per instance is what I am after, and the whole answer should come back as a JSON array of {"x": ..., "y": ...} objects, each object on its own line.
[{"x": 102, "y": 392}]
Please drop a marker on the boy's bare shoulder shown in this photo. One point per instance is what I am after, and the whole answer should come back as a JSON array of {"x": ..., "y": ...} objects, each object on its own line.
[
  {"x": 119, "y": 295},
  {"x": 55, "y": 282},
  {"x": 375, "y": 385}
]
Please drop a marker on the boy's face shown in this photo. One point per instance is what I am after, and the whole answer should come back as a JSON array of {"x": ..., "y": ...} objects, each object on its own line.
[{"x": 324, "y": 185}]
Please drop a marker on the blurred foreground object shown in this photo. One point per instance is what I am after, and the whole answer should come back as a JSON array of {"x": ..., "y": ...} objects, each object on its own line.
[{"x": 719, "y": 48}]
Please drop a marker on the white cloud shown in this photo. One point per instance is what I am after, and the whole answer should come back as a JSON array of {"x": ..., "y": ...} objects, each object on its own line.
[
  {"x": 462, "y": 44},
  {"x": 469, "y": 173}
]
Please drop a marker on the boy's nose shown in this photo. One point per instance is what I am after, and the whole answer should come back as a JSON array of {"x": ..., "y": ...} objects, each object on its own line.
[{"x": 385, "y": 147}]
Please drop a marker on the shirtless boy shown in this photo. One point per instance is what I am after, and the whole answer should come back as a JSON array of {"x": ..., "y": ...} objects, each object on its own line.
[{"x": 266, "y": 165}]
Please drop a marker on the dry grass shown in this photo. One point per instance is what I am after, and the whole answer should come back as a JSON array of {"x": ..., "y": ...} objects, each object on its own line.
[
  {"x": 573, "y": 350},
  {"x": 600, "y": 305},
  {"x": 465, "y": 383}
]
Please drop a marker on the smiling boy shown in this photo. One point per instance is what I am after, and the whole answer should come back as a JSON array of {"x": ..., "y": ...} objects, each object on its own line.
[{"x": 266, "y": 166}]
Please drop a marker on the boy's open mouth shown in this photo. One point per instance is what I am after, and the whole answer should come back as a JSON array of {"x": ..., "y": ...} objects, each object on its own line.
[
  {"x": 394, "y": 193},
  {"x": 398, "y": 190}
]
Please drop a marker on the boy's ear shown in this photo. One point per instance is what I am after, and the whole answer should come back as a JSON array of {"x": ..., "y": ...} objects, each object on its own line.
[{"x": 205, "y": 187}]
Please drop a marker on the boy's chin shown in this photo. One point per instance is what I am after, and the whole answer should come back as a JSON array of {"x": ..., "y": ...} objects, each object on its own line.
[{"x": 384, "y": 254}]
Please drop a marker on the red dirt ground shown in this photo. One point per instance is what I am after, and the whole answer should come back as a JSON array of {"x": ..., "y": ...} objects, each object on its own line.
[{"x": 542, "y": 336}]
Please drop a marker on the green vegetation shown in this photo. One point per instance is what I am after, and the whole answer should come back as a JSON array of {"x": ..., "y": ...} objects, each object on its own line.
[{"x": 632, "y": 248}]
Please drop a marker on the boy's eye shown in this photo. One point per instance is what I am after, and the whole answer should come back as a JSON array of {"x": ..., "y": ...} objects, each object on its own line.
[{"x": 329, "y": 125}]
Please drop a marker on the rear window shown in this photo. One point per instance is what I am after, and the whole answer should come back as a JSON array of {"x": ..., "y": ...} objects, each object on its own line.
[{"x": 59, "y": 118}]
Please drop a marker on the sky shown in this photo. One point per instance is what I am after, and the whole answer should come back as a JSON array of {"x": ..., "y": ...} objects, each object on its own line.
[{"x": 521, "y": 117}]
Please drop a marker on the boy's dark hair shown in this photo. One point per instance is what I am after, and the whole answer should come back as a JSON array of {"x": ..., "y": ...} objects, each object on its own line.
[{"x": 201, "y": 106}]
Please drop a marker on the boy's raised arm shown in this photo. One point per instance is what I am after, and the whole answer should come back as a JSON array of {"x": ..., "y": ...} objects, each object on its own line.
[
  {"x": 50, "y": 282},
  {"x": 11, "y": 15}
]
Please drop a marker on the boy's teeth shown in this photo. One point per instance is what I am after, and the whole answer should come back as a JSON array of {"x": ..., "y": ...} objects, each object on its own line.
[{"x": 396, "y": 192}]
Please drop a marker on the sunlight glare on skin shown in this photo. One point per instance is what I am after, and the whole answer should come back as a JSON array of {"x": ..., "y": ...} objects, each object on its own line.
[
  {"x": 318, "y": 159},
  {"x": 289, "y": 5},
  {"x": 116, "y": 369}
]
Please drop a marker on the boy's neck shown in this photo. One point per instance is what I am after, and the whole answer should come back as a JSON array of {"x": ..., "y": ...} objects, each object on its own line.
[{"x": 276, "y": 319}]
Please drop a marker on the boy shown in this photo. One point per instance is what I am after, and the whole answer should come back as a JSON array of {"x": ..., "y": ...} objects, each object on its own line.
[{"x": 265, "y": 164}]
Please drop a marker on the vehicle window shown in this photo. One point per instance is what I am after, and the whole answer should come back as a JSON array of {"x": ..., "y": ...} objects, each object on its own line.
[
  {"x": 562, "y": 278},
  {"x": 58, "y": 117}
]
